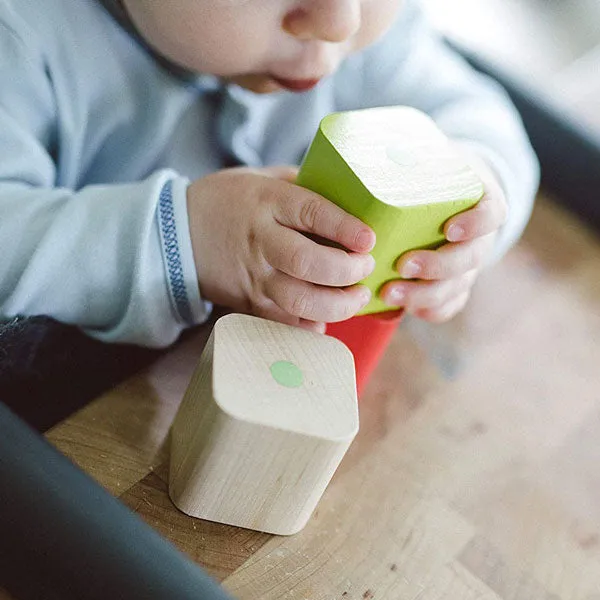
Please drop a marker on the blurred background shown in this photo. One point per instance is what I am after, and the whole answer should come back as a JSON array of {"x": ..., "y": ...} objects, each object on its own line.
[{"x": 551, "y": 45}]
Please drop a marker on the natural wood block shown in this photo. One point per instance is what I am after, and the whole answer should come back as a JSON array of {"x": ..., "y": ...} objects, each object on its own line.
[
  {"x": 267, "y": 417},
  {"x": 393, "y": 168}
]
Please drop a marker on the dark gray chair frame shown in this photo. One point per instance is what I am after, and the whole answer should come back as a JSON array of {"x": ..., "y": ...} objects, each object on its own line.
[{"x": 62, "y": 536}]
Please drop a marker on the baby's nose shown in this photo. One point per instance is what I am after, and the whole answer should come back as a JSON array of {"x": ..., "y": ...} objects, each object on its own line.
[{"x": 326, "y": 20}]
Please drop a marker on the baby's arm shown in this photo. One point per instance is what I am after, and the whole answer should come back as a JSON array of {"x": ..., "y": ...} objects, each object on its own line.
[
  {"x": 106, "y": 258},
  {"x": 118, "y": 260},
  {"x": 411, "y": 65}
]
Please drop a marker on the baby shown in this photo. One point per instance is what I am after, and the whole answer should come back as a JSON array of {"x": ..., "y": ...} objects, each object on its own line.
[{"x": 148, "y": 152}]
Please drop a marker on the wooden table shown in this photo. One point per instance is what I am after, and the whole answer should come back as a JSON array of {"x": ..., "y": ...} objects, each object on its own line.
[{"x": 476, "y": 473}]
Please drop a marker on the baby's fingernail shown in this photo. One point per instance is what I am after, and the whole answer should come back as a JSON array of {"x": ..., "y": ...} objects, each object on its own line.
[
  {"x": 395, "y": 296},
  {"x": 369, "y": 264},
  {"x": 365, "y": 239},
  {"x": 365, "y": 295},
  {"x": 455, "y": 233},
  {"x": 411, "y": 269}
]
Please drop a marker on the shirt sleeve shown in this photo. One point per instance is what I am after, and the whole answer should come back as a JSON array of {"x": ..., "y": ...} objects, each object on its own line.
[
  {"x": 115, "y": 260},
  {"x": 413, "y": 66}
]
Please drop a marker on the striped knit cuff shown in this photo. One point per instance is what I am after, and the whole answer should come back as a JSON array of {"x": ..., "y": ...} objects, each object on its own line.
[{"x": 172, "y": 253}]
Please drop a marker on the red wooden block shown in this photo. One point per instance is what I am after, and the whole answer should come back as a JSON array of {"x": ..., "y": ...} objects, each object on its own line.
[{"x": 367, "y": 336}]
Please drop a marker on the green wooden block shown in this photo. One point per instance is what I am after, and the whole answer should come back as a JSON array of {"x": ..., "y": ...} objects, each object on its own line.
[{"x": 396, "y": 171}]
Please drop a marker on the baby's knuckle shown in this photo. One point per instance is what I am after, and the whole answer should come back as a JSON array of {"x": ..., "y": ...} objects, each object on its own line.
[
  {"x": 310, "y": 213},
  {"x": 340, "y": 229},
  {"x": 301, "y": 264},
  {"x": 339, "y": 306},
  {"x": 348, "y": 307},
  {"x": 302, "y": 304},
  {"x": 348, "y": 311},
  {"x": 432, "y": 265},
  {"x": 349, "y": 271}
]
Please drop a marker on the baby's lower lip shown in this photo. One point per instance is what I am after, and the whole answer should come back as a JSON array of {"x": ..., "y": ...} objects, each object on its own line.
[{"x": 296, "y": 85}]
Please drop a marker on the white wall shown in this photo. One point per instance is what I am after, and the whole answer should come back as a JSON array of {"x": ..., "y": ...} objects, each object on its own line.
[
  {"x": 535, "y": 37},
  {"x": 554, "y": 44}
]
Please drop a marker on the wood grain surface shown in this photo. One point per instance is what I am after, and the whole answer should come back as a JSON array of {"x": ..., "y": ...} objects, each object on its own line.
[{"x": 474, "y": 475}]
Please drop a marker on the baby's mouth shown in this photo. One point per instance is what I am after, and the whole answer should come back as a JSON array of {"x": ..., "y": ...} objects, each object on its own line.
[{"x": 296, "y": 85}]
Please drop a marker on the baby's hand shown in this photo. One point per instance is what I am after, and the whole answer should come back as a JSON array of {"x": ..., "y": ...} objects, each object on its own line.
[
  {"x": 250, "y": 255},
  {"x": 444, "y": 277}
]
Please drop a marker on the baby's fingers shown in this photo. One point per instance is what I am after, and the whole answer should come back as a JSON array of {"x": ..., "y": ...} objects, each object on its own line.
[
  {"x": 445, "y": 312},
  {"x": 309, "y": 212},
  {"x": 447, "y": 262},
  {"x": 293, "y": 253},
  {"x": 315, "y": 303},
  {"x": 486, "y": 217},
  {"x": 426, "y": 295},
  {"x": 269, "y": 310}
]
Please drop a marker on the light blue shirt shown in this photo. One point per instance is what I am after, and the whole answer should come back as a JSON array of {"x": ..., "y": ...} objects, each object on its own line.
[{"x": 98, "y": 143}]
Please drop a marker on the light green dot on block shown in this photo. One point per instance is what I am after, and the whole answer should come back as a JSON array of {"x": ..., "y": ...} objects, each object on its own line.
[{"x": 287, "y": 374}]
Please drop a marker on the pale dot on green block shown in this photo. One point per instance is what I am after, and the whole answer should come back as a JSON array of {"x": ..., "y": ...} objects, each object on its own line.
[{"x": 287, "y": 374}]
